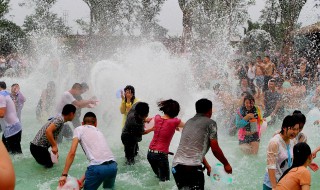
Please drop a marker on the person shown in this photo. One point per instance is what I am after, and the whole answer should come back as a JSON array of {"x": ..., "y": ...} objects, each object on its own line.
[
  {"x": 48, "y": 134},
  {"x": 270, "y": 69},
  {"x": 259, "y": 73},
  {"x": 301, "y": 137},
  {"x": 102, "y": 167},
  {"x": 244, "y": 86},
  {"x": 134, "y": 129},
  {"x": 280, "y": 151},
  {"x": 10, "y": 123},
  {"x": 17, "y": 98},
  {"x": 7, "y": 175},
  {"x": 272, "y": 101},
  {"x": 46, "y": 102},
  {"x": 68, "y": 97},
  {"x": 128, "y": 99},
  {"x": 297, "y": 176},
  {"x": 199, "y": 133},
  {"x": 164, "y": 129},
  {"x": 248, "y": 122},
  {"x": 76, "y": 121}
]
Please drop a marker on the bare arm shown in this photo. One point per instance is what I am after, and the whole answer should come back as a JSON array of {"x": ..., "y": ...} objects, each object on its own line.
[
  {"x": 206, "y": 165},
  {"x": 83, "y": 103},
  {"x": 49, "y": 134},
  {"x": 180, "y": 126},
  {"x": 217, "y": 152},
  {"x": 69, "y": 160},
  {"x": 123, "y": 107},
  {"x": 305, "y": 187},
  {"x": 7, "y": 176},
  {"x": 272, "y": 177}
]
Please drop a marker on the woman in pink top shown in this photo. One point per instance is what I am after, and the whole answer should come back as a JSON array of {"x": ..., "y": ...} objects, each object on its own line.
[
  {"x": 297, "y": 177},
  {"x": 164, "y": 129}
]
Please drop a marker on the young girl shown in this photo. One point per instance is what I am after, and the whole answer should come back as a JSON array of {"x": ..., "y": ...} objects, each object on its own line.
[
  {"x": 128, "y": 99},
  {"x": 248, "y": 121},
  {"x": 164, "y": 129},
  {"x": 297, "y": 176}
]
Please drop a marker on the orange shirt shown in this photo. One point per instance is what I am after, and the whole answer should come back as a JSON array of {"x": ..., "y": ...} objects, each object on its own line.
[{"x": 294, "y": 179}]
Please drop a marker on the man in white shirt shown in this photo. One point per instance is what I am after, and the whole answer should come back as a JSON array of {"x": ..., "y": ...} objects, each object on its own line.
[
  {"x": 68, "y": 97},
  {"x": 102, "y": 165},
  {"x": 10, "y": 123}
]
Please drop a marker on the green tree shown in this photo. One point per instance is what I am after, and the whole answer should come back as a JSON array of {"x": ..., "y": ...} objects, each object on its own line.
[
  {"x": 45, "y": 22},
  {"x": 203, "y": 19},
  {"x": 279, "y": 18},
  {"x": 4, "y": 7}
]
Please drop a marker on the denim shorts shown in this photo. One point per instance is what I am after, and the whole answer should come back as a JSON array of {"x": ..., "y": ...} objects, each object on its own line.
[{"x": 98, "y": 174}]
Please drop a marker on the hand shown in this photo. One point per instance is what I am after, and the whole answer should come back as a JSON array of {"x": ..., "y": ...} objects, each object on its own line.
[
  {"x": 249, "y": 116},
  {"x": 122, "y": 96},
  {"x": 316, "y": 122},
  {"x": 228, "y": 168},
  {"x": 148, "y": 119},
  {"x": 62, "y": 180},
  {"x": 208, "y": 170},
  {"x": 54, "y": 149},
  {"x": 314, "y": 154}
]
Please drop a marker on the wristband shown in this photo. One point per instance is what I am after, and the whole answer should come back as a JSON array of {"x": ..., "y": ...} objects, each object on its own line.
[{"x": 66, "y": 175}]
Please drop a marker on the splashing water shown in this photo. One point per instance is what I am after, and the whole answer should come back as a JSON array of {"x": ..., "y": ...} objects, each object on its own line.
[{"x": 156, "y": 75}]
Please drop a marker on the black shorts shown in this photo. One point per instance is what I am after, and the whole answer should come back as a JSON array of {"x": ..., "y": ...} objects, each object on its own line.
[
  {"x": 189, "y": 177},
  {"x": 250, "y": 138}
]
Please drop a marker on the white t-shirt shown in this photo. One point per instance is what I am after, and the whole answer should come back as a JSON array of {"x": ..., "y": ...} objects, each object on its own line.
[
  {"x": 10, "y": 116},
  {"x": 93, "y": 144},
  {"x": 67, "y": 98}
]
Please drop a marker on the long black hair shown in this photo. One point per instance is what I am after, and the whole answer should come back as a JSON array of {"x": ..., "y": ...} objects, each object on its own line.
[
  {"x": 131, "y": 88},
  {"x": 301, "y": 152}
]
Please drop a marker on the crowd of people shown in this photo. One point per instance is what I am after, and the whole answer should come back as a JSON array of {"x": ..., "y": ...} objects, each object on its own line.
[
  {"x": 13, "y": 65},
  {"x": 267, "y": 93}
]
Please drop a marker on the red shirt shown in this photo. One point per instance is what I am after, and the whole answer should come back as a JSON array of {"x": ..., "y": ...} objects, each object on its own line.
[{"x": 164, "y": 130}]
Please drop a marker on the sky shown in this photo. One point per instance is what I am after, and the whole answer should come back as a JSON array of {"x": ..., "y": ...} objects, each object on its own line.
[{"x": 170, "y": 17}]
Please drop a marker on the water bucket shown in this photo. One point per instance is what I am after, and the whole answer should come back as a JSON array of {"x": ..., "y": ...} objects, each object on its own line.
[
  {"x": 72, "y": 183},
  {"x": 219, "y": 175}
]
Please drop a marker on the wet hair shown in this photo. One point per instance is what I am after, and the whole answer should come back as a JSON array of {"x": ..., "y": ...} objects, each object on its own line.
[
  {"x": 142, "y": 109},
  {"x": 76, "y": 86},
  {"x": 84, "y": 86},
  {"x": 248, "y": 97},
  {"x": 15, "y": 84},
  {"x": 267, "y": 56},
  {"x": 259, "y": 57},
  {"x": 131, "y": 88},
  {"x": 301, "y": 118},
  {"x": 89, "y": 118},
  {"x": 301, "y": 152},
  {"x": 203, "y": 105},
  {"x": 169, "y": 107},
  {"x": 68, "y": 108},
  {"x": 3, "y": 85},
  {"x": 288, "y": 122}
]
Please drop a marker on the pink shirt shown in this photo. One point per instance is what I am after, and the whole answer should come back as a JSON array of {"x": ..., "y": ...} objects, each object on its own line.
[{"x": 164, "y": 130}]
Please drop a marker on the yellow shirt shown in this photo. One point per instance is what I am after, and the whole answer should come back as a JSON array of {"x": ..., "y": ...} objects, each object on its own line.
[{"x": 127, "y": 109}]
